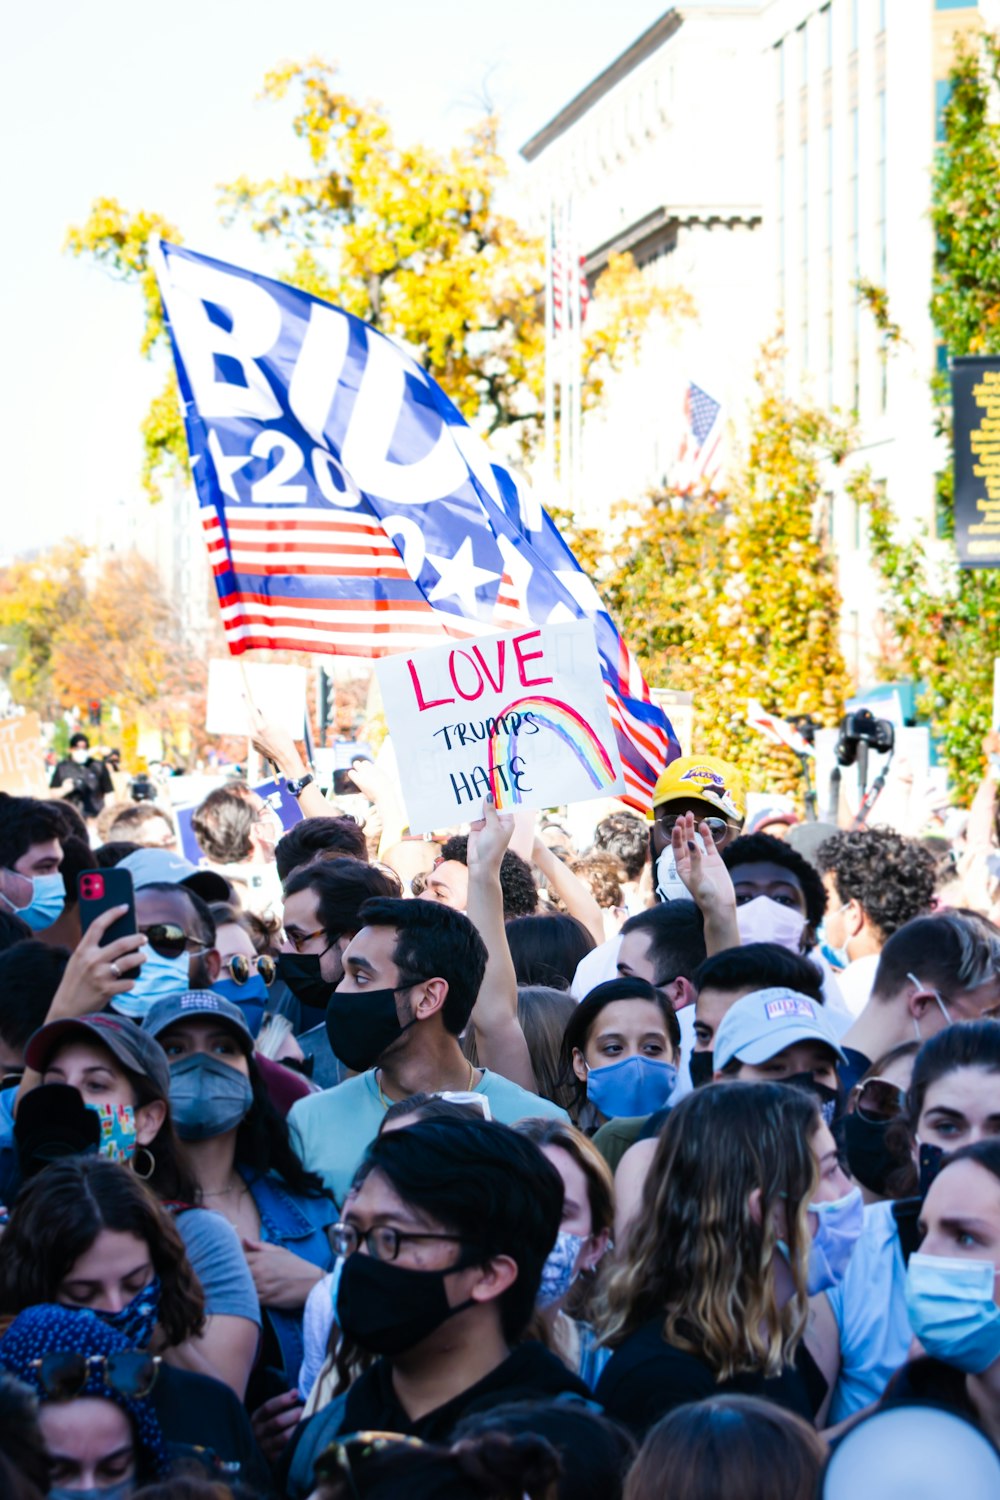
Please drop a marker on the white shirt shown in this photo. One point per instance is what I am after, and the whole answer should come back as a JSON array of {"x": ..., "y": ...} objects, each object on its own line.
[{"x": 856, "y": 982}]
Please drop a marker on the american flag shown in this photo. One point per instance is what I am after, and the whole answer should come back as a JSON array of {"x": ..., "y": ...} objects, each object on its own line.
[
  {"x": 698, "y": 457},
  {"x": 348, "y": 507},
  {"x": 568, "y": 280}
]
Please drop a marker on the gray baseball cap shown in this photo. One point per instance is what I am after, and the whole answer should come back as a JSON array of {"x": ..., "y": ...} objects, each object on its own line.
[
  {"x": 164, "y": 867},
  {"x": 166, "y": 1013},
  {"x": 136, "y": 1050},
  {"x": 763, "y": 1024}
]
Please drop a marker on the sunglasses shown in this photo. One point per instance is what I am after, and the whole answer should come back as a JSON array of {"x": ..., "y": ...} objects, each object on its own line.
[
  {"x": 716, "y": 826},
  {"x": 878, "y": 1100},
  {"x": 131, "y": 1372},
  {"x": 242, "y": 968},
  {"x": 169, "y": 940},
  {"x": 339, "y": 1459}
]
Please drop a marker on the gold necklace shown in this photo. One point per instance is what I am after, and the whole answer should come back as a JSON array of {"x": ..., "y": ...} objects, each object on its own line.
[{"x": 386, "y": 1103}]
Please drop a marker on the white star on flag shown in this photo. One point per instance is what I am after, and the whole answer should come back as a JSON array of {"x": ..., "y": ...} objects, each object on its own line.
[{"x": 460, "y": 578}]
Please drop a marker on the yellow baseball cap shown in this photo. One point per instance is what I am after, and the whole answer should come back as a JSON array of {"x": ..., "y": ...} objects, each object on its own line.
[{"x": 708, "y": 779}]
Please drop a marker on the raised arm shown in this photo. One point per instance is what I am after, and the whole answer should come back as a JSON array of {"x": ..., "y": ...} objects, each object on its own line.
[
  {"x": 277, "y": 746},
  {"x": 499, "y": 1039},
  {"x": 708, "y": 882},
  {"x": 574, "y": 893}
]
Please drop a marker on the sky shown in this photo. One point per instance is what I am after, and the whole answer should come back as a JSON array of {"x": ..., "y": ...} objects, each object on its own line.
[{"x": 155, "y": 105}]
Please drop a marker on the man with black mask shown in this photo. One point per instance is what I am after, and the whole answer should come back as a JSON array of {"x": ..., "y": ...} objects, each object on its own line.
[
  {"x": 411, "y": 977},
  {"x": 780, "y": 1036},
  {"x": 445, "y": 1240},
  {"x": 322, "y": 903}
]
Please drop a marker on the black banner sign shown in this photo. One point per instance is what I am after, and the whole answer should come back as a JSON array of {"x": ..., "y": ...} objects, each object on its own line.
[{"x": 975, "y": 390}]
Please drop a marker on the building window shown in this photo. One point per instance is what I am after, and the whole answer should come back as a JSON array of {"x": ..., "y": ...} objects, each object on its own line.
[
  {"x": 828, "y": 259},
  {"x": 854, "y": 25},
  {"x": 881, "y": 229},
  {"x": 781, "y": 233},
  {"x": 804, "y": 230},
  {"x": 827, "y": 15}
]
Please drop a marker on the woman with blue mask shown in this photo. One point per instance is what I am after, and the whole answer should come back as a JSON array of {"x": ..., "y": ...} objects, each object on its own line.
[
  {"x": 621, "y": 1047},
  {"x": 121, "y": 1072},
  {"x": 953, "y": 1290},
  {"x": 246, "y": 969},
  {"x": 95, "y": 1415},
  {"x": 244, "y": 1164},
  {"x": 563, "y": 1302},
  {"x": 86, "y": 1235}
]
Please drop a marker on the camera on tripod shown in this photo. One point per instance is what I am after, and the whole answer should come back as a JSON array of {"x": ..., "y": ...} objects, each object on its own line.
[{"x": 861, "y": 731}]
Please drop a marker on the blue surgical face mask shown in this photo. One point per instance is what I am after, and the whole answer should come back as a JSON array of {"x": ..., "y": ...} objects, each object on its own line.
[
  {"x": 840, "y": 1225},
  {"x": 158, "y": 979},
  {"x": 120, "y": 1491},
  {"x": 952, "y": 1310},
  {"x": 632, "y": 1086},
  {"x": 559, "y": 1271},
  {"x": 208, "y": 1097},
  {"x": 48, "y": 898}
]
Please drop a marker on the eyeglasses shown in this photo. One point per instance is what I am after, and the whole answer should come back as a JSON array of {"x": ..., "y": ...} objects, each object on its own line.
[
  {"x": 717, "y": 827},
  {"x": 382, "y": 1242},
  {"x": 131, "y": 1373},
  {"x": 169, "y": 940},
  {"x": 298, "y": 941},
  {"x": 242, "y": 968},
  {"x": 878, "y": 1100},
  {"x": 337, "y": 1461}
]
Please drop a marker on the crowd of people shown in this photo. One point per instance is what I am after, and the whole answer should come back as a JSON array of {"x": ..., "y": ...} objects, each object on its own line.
[{"x": 497, "y": 1164}]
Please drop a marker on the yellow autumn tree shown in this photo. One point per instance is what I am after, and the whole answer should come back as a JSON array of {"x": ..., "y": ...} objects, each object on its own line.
[{"x": 410, "y": 239}]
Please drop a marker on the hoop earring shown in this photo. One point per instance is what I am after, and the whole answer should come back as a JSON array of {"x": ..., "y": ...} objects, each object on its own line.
[{"x": 149, "y": 1158}]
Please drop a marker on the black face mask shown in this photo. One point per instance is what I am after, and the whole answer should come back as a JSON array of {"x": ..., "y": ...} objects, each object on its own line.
[
  {"x": 701, "y": 1066},
  {"x": 301, "y": 972},
  {"x": 388, "y": 1309},
  {"x": 362, "y": 1025},
  {"x": 828, "y": 1098},
  {"x": 869, "y": 1159}
]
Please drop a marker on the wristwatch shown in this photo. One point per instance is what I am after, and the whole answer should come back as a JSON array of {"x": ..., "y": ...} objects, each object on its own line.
[{"x": 298, "y": 787}]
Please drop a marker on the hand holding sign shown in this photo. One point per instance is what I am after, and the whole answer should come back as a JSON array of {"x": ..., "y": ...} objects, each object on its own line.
[{"x": 522, "y": 717}]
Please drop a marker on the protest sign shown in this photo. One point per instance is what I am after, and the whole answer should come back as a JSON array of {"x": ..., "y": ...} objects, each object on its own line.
[
  {"x": 279, "y": 691},
  {"x": 975, "y": 387},
  {"x": 22, "y": 770},
  {"x": 523, "y": 714}
]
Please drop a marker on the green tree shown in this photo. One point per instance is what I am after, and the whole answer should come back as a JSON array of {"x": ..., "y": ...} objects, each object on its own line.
[
  {"x": 946, "y": 619},
  {"x": 410, "y": 239},
  {"x": 734, "y": 596}
]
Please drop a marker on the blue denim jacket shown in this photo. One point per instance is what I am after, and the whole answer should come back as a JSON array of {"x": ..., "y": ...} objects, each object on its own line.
[{"x": 297, "y": 1224}]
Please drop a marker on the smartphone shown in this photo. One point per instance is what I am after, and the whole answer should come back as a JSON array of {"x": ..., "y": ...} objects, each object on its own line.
[
  {"x": 101, "y": 889},
  {"x": 346, "y": 752}
]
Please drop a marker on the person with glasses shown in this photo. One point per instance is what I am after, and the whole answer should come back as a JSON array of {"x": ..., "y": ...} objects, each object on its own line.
[
  {"x": 98, "y": 1423},
  {"x": 713, "y": 790},
  {"x": 90, "y": 1242},
  {"x": 237, "y": 831},
  {"x": 246, "y": 973},
  {"x": 953, "y": 1100},
  {"x": 874, "y": 1137},
  {"x": 244, "y": 1165},
  {"x": 123, "y": 1073},
  {"x": 933, "y": 971},
  {"x": 173, "y": 915},
  {"x": 444, "y": 1244}
]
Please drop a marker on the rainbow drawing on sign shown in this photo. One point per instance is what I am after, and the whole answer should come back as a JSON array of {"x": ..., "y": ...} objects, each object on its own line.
[{"x": 572, "y": 729}]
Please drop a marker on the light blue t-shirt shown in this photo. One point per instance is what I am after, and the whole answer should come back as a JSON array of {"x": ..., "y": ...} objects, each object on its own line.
[
  {"x": 331, "y": 1131},
  {"x": 870, "y": 1308}
]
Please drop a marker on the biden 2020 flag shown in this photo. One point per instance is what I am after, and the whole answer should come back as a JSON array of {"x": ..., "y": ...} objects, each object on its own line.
[{"x": 348, "y": 506}]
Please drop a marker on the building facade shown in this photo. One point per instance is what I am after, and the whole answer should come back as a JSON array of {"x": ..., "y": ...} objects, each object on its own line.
[{"x": 774, "y": 159}]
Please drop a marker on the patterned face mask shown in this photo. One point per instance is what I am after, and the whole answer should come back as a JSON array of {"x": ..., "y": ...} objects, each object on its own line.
[
  {"x": 560, "y": 1269},
  {"x": 118, "y": 1134},
  {"x": 138, "y": 1318}
]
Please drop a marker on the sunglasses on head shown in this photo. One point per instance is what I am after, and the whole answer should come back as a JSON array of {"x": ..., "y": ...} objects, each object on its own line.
[
  {"x": 169, "y": 940},
  {"x": 339, "y": 1460},
  {"x": 242, "y": 968},
  {"x": 131, "y": 1372},
  {"x": 878, "y": 1100}
]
